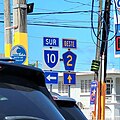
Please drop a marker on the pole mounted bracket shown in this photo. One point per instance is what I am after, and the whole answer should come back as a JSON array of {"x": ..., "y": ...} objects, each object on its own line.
[
  {"x": 20, "y": 6},
  {"x": 11, "y": 27}
]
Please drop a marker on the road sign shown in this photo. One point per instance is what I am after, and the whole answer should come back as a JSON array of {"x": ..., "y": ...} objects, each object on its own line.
[
  {"x": 51, "y": 59},
  {"x": 93, "y": 93},
  {"x": 117, "y": 46},
  {"x": 117, "y": 29},
  {"x": 18, "y": 53},
  {"x": 49, "y": 41},
  {"x": 69, "y": 43},
  {"x": 51, "y": 77},
  {"x": 118, "y": 3},
  {"x": 69, "y": 78},
  {"x": 69, "y": 59}
]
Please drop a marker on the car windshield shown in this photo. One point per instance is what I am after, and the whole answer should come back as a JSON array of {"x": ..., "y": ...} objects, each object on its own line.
[{"x": 18, "y": 100}]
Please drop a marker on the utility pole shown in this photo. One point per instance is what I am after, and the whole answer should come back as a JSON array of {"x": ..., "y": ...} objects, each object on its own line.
[
  {"x": 99, "y": 31},
  {"x": 20, "y": 15},
  {"x": 7, "y": 32},
  {"x": 20, "y": 21},
  {"x": 97, "y": 58},
  {"x": 36, "y": 64},
  {"x": 103, "y": 56}
]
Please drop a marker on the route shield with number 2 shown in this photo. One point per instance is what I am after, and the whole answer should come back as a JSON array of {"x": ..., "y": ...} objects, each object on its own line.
[
  {"x": 69, "y": 59},
  {"x": 51, "y": 59}
]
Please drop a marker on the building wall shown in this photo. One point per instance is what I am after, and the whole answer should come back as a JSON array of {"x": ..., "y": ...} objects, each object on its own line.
[{"x": 112, "y": 110}]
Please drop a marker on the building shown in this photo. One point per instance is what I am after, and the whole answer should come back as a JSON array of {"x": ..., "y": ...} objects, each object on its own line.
[{"x": 81, "y": 92}]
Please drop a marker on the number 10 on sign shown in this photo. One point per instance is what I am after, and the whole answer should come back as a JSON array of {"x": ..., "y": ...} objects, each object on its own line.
[{"x": 51, "y": 59}]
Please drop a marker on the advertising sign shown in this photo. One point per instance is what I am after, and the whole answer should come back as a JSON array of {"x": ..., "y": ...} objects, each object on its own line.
[
  {"x": 18, "y": 53},
  {"x": 93, "y": 92}
]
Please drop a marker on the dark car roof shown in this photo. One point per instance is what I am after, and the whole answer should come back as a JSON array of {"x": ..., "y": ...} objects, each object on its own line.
[
  {"x": 32, "y": 73},
  {"x": 21, "y": 77},
  {"x": 68, "y": 107},
  {"x": 56, "y": 96}
]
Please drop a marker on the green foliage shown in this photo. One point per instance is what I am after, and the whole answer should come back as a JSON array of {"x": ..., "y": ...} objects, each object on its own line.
[{"x": 32, "y": 64}]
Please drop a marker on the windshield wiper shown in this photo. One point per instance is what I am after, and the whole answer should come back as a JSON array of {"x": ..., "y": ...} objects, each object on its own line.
[{"x": 21, "y": 118}]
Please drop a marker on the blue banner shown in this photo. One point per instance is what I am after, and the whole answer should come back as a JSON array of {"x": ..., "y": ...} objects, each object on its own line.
[{"x": 93, "y": 91}]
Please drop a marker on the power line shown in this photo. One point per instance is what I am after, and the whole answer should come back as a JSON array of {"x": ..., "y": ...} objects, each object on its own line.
[
  {"x": 66, "y": 26},
  {"x": 78, "y": 3}
]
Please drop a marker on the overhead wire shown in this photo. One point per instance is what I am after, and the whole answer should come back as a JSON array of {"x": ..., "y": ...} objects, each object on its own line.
[
  {"x": 62, "y": 12},
  {"x": 78, "y": 3},
  {"x": 65, "y": 26},
  {"x": 103, "y": 21}
]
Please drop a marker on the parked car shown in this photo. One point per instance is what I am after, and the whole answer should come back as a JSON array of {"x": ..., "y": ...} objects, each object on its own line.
[
  {"x": 68, "y": 107},
  {"x": 23, "y": 94}
]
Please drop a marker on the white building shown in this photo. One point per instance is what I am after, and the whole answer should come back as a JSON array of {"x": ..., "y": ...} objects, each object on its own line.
[{"x": 81, "y": 92}]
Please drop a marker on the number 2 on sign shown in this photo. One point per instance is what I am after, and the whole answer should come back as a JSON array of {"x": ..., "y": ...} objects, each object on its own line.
[{"x": 70, "y": 59}]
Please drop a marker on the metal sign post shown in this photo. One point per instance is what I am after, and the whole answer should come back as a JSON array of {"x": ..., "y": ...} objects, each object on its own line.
[
  {"x": 51, "y": 60},
  {"x": 69, "y": 79},
  {"x": 50, "y": 87},
  {"x": 69, "y": 59},
  {"x": 69, "y": 90}
]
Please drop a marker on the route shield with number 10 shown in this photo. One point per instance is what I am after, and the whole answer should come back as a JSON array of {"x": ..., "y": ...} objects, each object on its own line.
[
  {"x": 51, "y": 59},
  {"x": 69, "y": 59}
]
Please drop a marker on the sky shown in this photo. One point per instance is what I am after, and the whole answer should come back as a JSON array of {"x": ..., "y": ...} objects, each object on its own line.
[{"x": 78, "y": 28}]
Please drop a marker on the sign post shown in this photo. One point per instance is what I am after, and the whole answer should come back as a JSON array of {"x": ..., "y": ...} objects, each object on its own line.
[
  {"x": 51, "y": 60},
  {"x": 69, "y": 79},
  {"x": 69, "y": 59}
]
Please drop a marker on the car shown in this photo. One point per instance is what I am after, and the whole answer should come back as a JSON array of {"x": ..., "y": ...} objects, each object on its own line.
[
  {"x": 68, "y": 107},
  {"x": 24, "y": 95}
]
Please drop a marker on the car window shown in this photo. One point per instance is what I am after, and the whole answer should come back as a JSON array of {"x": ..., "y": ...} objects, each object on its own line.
[{"x": 19, "y": 100}]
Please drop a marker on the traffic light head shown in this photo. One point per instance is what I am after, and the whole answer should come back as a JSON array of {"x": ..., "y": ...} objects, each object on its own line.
[
  {"x": 117, "y": 43},
  {"x": 95, "y": 65},
  {"x": 30, "y": 7}
]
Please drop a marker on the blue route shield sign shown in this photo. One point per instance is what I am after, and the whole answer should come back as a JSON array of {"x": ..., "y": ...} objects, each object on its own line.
[
  {"x": 117, "y": 29},
  {"x": 118, "y": 3},
  {"x": 18, "y": 53},
  {"x": 51, "y": 59},
  {"x": 69, "y": 59}
]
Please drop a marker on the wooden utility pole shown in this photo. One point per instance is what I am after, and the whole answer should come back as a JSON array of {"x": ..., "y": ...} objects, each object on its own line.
[
  {"x": 103, "y": 55},
  {"x": 20, "y": 15},
  {"x": 99, "y": 31},
  {"x": 7, "y": 32},
  {"x": 20, "y": 21},
  {"x": 96, "y": 75}
]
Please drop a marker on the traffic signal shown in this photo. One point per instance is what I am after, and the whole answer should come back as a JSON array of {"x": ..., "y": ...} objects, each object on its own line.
[
  {"x": 30, "y": 7},
  {"x": 117, "y": 43},
  {"x": 95, "y": 65}
]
